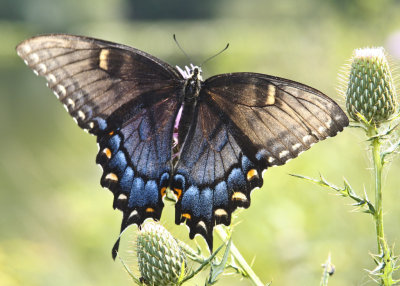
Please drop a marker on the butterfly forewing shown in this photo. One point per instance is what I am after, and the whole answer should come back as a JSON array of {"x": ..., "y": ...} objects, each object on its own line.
[
  {"x": 275, "y": 119},
  {"x": 128, "y": 99},
  {"x": 93, "y": 77}
]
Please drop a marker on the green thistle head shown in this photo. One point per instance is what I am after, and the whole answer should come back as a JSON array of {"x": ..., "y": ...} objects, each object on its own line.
[
  {"x": 161, "y": 260},
  {"x": 370, "y": 91}
]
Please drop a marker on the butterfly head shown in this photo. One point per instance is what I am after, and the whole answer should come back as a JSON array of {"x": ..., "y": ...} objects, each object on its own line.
[{"x": 191, "y": 72}]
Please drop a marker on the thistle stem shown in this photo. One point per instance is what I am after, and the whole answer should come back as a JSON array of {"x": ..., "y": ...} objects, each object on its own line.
[
  {"x": 378, "y": 166},
  {"x": 386, "y": 259},
  {"x": 239, "y": 258}
]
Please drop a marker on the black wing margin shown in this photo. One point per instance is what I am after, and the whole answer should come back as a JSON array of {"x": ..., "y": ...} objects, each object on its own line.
[
  {"x": 245, "y": 123},
  {"x": 128, "y": 99}
]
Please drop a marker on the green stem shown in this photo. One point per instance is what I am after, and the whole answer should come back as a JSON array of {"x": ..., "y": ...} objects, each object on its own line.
[
  {"x": 385, "y": 260},
  {"x": 378, "y": 166},
  {"x": 378, "y": 192},
  {"x": 239, "y": 258}
]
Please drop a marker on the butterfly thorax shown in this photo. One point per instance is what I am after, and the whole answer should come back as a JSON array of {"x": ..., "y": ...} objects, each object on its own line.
[
  {"x": 191, "y": 91},
  {"x": 193, "y": 80}
]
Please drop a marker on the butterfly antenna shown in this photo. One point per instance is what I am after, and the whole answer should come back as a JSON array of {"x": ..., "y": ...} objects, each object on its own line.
[
  {"x": 220, "y": 52},
  {"x": 183, "y": 51}
]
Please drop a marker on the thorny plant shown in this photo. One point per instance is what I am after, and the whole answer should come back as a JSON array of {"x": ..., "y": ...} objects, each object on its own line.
[{"x": 371, "y": 102}]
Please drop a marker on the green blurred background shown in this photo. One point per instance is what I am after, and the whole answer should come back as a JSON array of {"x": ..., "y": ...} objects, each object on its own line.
[{"x": 57, "y": 226}]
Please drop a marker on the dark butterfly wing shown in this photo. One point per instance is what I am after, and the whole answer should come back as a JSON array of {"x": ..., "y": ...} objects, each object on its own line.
[
  {"x": 125, "y": 97},
  {"x": 245, "y": 123}
]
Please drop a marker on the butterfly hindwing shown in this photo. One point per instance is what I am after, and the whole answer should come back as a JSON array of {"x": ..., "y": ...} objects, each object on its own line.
[
  {"x": 125, "y": 97},
  {"x": 213, "y": 177},
  {"x": 245, "y": 123}
]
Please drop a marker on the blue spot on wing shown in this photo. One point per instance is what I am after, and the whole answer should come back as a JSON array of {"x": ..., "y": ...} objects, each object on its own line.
[
  {"x": 236, "y": 179},
  {"x": 101, "y": 124},
  {"x": 206, "y": 204},
  {"x": 127, "y": 179},
  {"x": 221, "y": 195},
  {"x": 118, "y": 162},
  {"x": 190, "y": 201},
  {"x": 246, "y": 164},
  {"x": 151, "y": 193},
  {"x": 136, "y": 198},
  {"x": 114, "y": 143}
]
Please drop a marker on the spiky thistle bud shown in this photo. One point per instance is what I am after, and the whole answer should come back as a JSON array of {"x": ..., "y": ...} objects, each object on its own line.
[
  {"x": 161, "y": 260},
  {"x": 370, "y": 91}
]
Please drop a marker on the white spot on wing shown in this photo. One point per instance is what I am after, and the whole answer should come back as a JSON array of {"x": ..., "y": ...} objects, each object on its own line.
[
  {"x": 283, "y": 153},
  {"x": 26, "y": 48},
  {"x": 202, "y": 225},
  {"x": 34, "y": 58},
  {"x": 220, "y": 212},
  {"x": 239, "y": 196},
  {"x": 81, "y": 115},
  {"x": 271, "y": 159},
  {"x": 133, "y": 213},
  {"x": 70, "y": 102},
  {"x": 338, "y": 118},
  {"x": 61, "y": 90},
  {"x": 51, "y": 78},
  {"x": 296, "y": 146},
  {"x": 42, "y": 68},
  {"x": 321, "y": 129},
  {"x": 122, "y": 197},
  {"x": 307, "y": 138}
]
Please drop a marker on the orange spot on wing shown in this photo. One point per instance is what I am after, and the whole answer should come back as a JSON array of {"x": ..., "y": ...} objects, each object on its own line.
[
  {"x": 178, "y": 192},
  {"x": 162, "y": 191},
  {"x": 111, "y": 133},
  {"x": 108, "y": 153},
  {"x": 112, "y": 177},
  {"x": 149, "y": 210},
  {"x": 186, "y": 215},
  {"x": 251, "y": 174}
]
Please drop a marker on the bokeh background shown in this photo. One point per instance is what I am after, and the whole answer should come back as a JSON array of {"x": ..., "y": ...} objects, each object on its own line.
[{"x": 57, "y": 226}]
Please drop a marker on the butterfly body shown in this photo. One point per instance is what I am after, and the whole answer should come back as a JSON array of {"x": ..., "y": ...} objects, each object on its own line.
[{"x": 162, "y": 127}]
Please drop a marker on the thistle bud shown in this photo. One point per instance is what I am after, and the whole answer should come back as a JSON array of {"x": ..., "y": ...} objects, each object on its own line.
[
  {"x": 159, "y": 255},
  {"x": 370, "y": 91}
]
